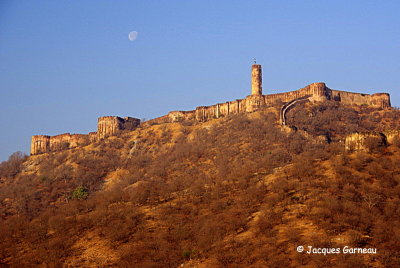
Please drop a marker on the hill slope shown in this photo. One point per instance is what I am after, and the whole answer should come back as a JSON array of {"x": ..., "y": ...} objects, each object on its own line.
[{"x": 233, "y": 192}]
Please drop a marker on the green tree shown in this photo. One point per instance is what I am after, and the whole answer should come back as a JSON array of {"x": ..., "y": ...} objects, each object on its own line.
[{"x": 80, "y": 192}]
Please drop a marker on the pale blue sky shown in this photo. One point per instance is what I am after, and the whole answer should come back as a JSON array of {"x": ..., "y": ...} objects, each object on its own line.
[{"x": 65, "y": 63}]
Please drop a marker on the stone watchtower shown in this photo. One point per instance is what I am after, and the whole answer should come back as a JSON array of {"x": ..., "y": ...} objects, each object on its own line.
[
  {"x": 256, "y": 79},
  {"x": 256, "y": 100}
]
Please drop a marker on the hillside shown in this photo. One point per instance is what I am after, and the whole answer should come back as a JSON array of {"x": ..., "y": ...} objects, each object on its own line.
[{"x": 238, "y": 191}]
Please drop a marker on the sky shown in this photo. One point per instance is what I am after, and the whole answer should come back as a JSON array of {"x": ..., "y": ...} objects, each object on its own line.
[{"x": 63, "y": 64}]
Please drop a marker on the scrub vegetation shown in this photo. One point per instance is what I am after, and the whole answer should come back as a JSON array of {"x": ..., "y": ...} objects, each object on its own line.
[{"x": 232, "y": 192}]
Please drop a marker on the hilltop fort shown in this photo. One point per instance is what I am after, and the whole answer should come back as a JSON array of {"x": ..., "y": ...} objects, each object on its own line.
[{"x": 112, "y": 125}]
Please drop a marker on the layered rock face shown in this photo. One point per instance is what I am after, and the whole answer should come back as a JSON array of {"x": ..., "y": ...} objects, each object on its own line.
[{"x": 110, "y": 125}]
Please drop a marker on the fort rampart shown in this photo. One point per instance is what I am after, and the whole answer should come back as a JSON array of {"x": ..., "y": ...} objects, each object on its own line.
[
  {"x": 359, "y": 142},
  {"x": 315, "y": 92},
  {"x": 107, "y": 126},
  {"x": 111, "y": 125}
]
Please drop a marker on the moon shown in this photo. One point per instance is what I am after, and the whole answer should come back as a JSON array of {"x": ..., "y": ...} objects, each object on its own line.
[{"x": 132, "y": 35}]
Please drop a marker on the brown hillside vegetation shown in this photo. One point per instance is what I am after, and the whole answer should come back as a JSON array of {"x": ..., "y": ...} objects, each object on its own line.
[{"x": 232, "y": 192}]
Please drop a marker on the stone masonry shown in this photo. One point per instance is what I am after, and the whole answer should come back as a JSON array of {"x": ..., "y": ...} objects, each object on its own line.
[
  {"x": 112, "y": 125},
  {"x": 358, "y": 142},
  {"x": 316, "y": 92},
  {"x": 256, "y": 80},
  {"x": 107, "y": 126}
]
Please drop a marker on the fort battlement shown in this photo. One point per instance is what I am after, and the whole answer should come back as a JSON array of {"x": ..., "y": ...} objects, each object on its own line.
[
  {"x": 112, "y": 125},
  {"x": 43, "y": 144},
  {"x": 107, "y": 126},
  {"x": 315, "y": 92}
]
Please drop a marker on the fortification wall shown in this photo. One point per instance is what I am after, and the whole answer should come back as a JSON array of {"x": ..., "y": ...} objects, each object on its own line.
[
  {"x": 111, "y": 125},
  {"x": 315, "y": 92},
  {"x": 107, "y": 126},
  {"x": 60, "y": 142},
  {"x": 67, "y": 141},
  {"x": 350, "y": 97},
  {"x": 92, "y": 136},
  {"x": 204, "y": 113},
  {"x": 359, "y": 141},
  {"x": 159, "y": 120},
  {"x": 392, "y": 136},
  {"x": 43, "y": 144},
  {"x": 40, "y": 144},
  {"x": 381, "y": 100},
  {"x": 178, "y": 116}
]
